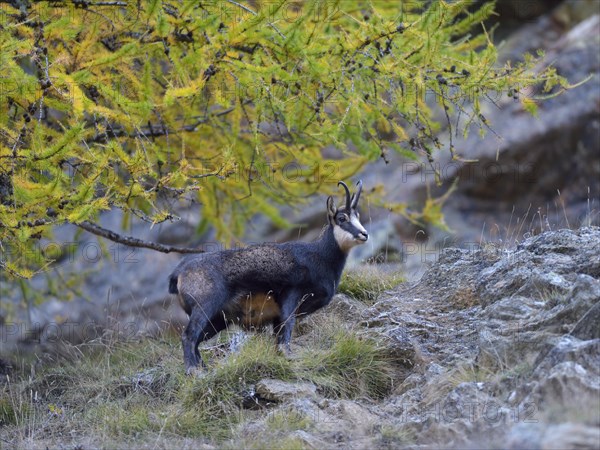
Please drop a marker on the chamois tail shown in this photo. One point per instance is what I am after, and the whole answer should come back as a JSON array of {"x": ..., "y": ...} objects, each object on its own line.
[{"x": 173, "y": 284}]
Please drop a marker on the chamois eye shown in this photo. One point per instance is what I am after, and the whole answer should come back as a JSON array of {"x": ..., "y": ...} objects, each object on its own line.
[{"x": 343, "y": 219}]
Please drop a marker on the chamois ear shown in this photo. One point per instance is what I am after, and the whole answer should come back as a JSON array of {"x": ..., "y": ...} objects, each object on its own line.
[{"x": 331, "y": 209}]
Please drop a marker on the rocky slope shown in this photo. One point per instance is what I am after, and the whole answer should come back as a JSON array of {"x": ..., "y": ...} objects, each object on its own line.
[
  {"x": 500, "y": 348},
  {"x": 491, "y": 348}
]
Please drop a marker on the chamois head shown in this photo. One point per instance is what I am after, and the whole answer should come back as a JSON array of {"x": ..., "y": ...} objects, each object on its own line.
[{"x": 347, "y": 229}]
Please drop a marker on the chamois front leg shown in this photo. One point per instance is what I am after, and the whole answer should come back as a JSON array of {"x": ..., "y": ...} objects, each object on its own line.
[
  {"x": 312, "y": 302},
  {"x": 284, "y": 325}
]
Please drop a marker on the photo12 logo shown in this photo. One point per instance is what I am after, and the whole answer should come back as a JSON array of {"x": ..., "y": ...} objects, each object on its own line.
[
  {"x": 67, "y": 331},
  {"x": 69, "y": 252},
  {"x": 489, "y": 412}
]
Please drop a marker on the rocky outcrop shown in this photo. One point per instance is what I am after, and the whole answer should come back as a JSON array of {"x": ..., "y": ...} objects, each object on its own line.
[{"x": 509, "y": 345}]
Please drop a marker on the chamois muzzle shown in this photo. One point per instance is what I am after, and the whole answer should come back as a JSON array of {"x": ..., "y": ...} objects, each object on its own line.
[{"x": 363, "y": 236}]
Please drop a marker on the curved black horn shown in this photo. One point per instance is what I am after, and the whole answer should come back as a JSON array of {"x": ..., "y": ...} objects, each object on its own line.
[
  {"x": 347, "y": 195},
  {"x": 356, "y": 196}
]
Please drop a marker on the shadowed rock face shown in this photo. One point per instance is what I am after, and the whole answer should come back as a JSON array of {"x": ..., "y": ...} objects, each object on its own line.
[{"x": 544, "y": 172}]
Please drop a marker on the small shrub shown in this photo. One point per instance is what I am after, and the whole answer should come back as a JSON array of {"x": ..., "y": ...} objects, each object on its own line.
[
  {"x": 268, "y": 441},
  {"x": 392, "y": 436},
  {"x": 257, "y": 359},
  {"x": 291, "y": 443},
  {"x": 198, "y": 422},
  {"x": 368, "y": 283},
  {"x": 16, "y": 408}
]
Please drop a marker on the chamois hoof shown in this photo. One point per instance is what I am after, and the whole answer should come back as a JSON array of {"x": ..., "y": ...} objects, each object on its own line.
[
  {"x": 284, "y": 349},
  {"x": 196, "y": 372}
]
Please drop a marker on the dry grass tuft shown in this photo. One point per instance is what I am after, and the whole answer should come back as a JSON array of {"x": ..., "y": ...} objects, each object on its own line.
[{"x": 367, "y": 283}]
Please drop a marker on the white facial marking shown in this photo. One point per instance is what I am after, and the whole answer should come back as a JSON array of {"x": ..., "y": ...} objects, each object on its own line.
[
  {"x": 354, "y": 221},
  {"x": 344, "y": 239}
]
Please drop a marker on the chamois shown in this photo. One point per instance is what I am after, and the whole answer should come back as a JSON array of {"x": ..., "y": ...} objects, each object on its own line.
[{"x": 267, "y": 283}]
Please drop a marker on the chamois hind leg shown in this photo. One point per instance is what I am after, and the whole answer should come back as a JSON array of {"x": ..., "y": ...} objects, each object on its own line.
[
  {"x": 203, "y": 310},
  {"x": 216, "y": 324},
  {"x": 190, "y": 336}
]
